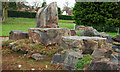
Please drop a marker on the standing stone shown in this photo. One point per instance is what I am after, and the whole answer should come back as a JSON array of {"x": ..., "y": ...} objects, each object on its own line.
[
  {"x": 16, "y": 35},
  {"x": 48, "y": 36},
  {"x": 47, "y": 17}
]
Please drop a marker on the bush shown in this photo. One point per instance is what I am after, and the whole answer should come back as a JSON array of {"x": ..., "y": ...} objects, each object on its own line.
[
  {"x": 65, "y": 17},
  {"x": 83, "y": 62},
  {"x": 23, "y": 14},
  {"x": 97, "y": 13},
  {"x": 26, "y": 14}
]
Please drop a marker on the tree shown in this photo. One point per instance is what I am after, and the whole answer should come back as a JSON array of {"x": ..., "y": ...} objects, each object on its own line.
[
  {"x": 59, "y": 10},
  {"x": 36, "y": 5},
  {"x": 4, "y": 11},
  {"x": 12, "y": 5},
  {"x": 66, "y": 7},
  {"x": 97, "y": 13},
  {"x": 44, "y": 4}
]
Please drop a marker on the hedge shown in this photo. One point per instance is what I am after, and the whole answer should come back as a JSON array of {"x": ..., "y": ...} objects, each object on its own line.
[{"x": 26, "y": 14}]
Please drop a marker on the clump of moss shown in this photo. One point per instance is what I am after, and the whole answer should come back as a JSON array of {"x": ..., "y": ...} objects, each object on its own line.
[
  {"x": 83, "y": 62},
  {"x": 6, "y": 51},
  {"x": 22, "y": 48}
]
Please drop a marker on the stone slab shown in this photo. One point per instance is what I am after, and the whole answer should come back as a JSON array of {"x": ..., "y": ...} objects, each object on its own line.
[{"x": 48, "y": 36}]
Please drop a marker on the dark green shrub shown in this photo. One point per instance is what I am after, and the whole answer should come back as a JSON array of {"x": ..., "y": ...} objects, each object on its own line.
[
  {"x": 26, "y": 14},
  {"x": 83, "y": 62},
  {"x": 97, "y": 13},
  {"x": 23, "y": 14},
  {"x": 65, "y": 17}
]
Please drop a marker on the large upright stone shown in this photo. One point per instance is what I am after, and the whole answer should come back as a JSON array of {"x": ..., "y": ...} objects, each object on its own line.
[
  {"x": 47, "y": 17},
  {"x": 16, "y": 35},
  {"x": 48, "y": 36}
]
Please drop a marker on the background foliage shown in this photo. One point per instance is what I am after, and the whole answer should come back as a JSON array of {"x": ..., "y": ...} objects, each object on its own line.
[
  {"x": 12, "y": 13},
  {"x": 102, "y": 14}
]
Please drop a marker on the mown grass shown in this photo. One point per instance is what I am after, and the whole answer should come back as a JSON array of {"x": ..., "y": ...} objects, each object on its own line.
[{"x": 24, "y": 24}]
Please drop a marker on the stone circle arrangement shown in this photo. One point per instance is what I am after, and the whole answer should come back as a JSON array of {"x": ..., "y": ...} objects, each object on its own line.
[{"x": 102, "y": 47}]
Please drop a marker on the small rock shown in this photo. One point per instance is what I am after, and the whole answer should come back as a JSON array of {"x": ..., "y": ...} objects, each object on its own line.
[{"x": 38, "y": 56}]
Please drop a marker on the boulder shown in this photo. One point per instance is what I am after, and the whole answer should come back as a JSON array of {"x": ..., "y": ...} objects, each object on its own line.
[
  {"x": 47, "y": 17},
  {"x": 116, "y": 38},
  {"x": 38, "y": 56},
  {"x": 73, "y": 32},
  {"x": 99, "y": 53},
  {"x": 104, "y": 35},
  {"x": 84, "y": 43},
  {"x": 67, "y": 59},
  {"x": 48, "y": 36},
  {"x": 101, "y": 64},
  {"x": 16, "y": 35},
  {"x": 89, "y": 32}
]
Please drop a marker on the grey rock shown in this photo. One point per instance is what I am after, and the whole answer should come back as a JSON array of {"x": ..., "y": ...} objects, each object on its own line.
[
  {"x": 89, "y": 32},
  {"x": 109, "y": 38},
  {"x": 67, "y": 60},
  {"x": 84, "y": 43},
  {"x": 99, "y": 53},
  {"x": 48, "y": 36},
  {"x": 101, "y": 64},
  {"x": 116, "y": 38},
  {"x": 47, "y": 17},
  {"x": 16, "y": 35},
  {"x": 38, "y": 56}
]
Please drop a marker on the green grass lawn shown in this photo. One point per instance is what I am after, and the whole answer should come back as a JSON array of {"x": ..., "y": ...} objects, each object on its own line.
[{"x": 24, "y": 24}]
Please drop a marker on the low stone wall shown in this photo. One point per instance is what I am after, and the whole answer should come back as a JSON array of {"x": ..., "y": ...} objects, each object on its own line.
[{"x": 48, "y": 36}]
